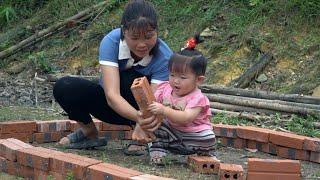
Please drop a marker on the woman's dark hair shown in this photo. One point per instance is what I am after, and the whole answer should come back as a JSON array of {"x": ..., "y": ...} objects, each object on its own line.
[
  {"x": 138, "y": 15},
  {"x": 189, "y": 57}
]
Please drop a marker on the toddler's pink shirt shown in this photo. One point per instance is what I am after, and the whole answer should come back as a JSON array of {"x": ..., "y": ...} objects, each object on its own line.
[{"x": 194, "y": 99}]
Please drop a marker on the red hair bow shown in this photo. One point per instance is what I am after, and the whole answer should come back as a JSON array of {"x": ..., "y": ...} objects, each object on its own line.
[{"x": 191, "y": 43}]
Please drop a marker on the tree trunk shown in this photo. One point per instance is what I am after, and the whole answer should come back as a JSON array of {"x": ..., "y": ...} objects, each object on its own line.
[
  {"x": 244, "y": 80},
  {"x": 260, "y": 94}
]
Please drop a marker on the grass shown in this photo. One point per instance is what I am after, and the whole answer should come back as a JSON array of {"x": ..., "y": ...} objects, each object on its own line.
[{"x": 297, "y": 124}]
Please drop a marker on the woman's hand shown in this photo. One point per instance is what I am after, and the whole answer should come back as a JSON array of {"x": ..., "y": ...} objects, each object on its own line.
[
  {"x": 149, "y": 124},
  {"x": 156, "y": 108},
  {"x": 141, "y": 136}
]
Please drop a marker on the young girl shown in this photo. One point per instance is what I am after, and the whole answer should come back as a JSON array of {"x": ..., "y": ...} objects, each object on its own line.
[
  {"x": 186, "y": 128},
  {"x": 131, "y": 51}
]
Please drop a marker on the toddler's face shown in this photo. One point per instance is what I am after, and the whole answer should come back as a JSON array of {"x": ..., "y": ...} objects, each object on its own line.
[
  {"x": 141, "y": 42},
  {"x": 183, "y": 83}
]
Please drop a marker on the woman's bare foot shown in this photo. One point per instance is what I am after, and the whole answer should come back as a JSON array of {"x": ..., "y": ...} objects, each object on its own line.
[{"x": 64, "y": 141}]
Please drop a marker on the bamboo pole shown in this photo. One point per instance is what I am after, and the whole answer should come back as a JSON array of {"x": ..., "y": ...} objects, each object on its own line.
[
  {"x": 214, "y": 89},
  {"x": 236, "y": 108},
  {"x": 258, "y": 103}
]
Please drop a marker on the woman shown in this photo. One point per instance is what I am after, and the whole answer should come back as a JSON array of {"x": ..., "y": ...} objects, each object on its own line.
[{"x": 132, "y": 51}]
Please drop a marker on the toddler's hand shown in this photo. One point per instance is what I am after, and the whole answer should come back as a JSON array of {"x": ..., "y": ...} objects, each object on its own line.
[{"x": 156, "y": 108}]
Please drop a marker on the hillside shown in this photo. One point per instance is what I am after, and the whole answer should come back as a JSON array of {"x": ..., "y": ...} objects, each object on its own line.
[{"x": 236, "y": 33}]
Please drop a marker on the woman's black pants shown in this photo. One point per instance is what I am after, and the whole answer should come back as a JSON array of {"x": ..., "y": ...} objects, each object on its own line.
[{"x": 81, "y": 98}]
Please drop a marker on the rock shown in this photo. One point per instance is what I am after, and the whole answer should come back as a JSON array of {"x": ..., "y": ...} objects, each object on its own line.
[
  {"x": 316, "y": 91},
  {"x": 262, "y": 78},
  {"x": 207, "y": 33}
]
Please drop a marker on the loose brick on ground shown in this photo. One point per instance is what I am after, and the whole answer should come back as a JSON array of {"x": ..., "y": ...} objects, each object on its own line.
[
  {"x": 253, "y": 133},
  {"x": 287, "y": 139},
  {"x": 291, "y": 153},
  {"x": 312, "y": 144},
  {"x": 230, "y": 171},
  {"x": 204, "y": 164},
  {"x": 272, "y": 176},
  {"x": 110, "y": 171},
  {"x": 274, "y": 165},
  {"x": 18, "y": 127},
  {"x": 222, "y": 130}
]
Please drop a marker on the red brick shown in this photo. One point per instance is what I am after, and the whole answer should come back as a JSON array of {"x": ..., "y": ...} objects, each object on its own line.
[
  {"x": 48, "y": 137},
  {"x": 74, "y": 125},
  {"x": 291, "y": 153},
  {"x": 56, "y": 176},
  {"x": 18, "y": 127},
  {"x": 24, "y": 171},
  {"x": 253, "y": 133},
  {"x": 272, "y": 176},
  {"x": 53, "y": 126},
  {"x": 235, "y": 143},
  {"x": 19, "y": 143},
  {"x": 32, "y": 157},
  {"x": 143, "y": 95},
  {"x": 7, "y": 166},
  {"x": 65, "y": 163},
  {"x": 287, "y": 139},
  {"x": 8, "y": 148},
  {"x": 114, "y": 127},
  {"x": 149, "y": 177},
  {"x": 25, "y": 137},
  {"x": 274, "y": 165},
  {"x": 312, "y": 144},
  {"x": 315, "y": 157},
  {"x": 230, "y": 171},
  {"x": 110, "y": 171},
  {"x": 41, "y": 175},
  {"x": 115, "y": 135},
  {"x": 263, "y": 147},
  {"x": 222, "y": 130},
  {"x": 204, "y": 164}
]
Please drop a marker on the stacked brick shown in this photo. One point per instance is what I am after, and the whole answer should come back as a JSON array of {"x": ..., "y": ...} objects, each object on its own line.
[
  {"x": 210, "y": 165},
  {"x": 24, "y": 160},
  {"x": 269, "y": 169},
  {"x": 286, "y": 145},
  {"x": 53, "y": 131}
]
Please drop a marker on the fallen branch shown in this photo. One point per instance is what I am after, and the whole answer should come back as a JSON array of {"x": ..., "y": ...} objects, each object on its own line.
[
  {"x": 260, "y": 94},
  {"x": 244, "y": 80}
]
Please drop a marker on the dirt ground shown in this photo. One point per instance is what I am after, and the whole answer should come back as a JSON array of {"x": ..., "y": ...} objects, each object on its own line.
[{"x": 175, "y": 166}]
